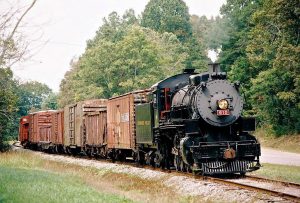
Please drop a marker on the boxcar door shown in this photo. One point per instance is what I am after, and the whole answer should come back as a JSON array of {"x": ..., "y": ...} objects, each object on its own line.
[{"x": 72, "y": 111}]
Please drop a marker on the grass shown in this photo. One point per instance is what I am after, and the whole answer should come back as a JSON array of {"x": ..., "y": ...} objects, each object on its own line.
[
  {"x": 279, "y": 172},
  {"x": 26, "y": 179},
  {"x": 29, "y": 178},
  {"x": 23, "y": 185},
  {"x": 290, "y": 143}
]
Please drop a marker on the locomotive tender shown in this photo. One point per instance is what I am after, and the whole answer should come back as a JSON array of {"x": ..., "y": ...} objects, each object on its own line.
[{"x": 190, "y": 121}]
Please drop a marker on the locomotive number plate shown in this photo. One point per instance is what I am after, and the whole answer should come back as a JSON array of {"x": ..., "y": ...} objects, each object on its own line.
[{"x": 225, "y": 112}]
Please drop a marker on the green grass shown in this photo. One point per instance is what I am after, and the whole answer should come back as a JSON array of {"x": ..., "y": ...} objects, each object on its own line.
[
  {"x": 30, "y": 178},
  {"x": 26, "y": 179},
  {"x": 26, "y": 185},
  {"x": 279, "y": 172}
]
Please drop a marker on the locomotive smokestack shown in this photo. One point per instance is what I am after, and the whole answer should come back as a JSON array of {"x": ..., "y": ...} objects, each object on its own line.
[
  {"x": 214, "y": 68},
  {"x": 215, "y": 72}
]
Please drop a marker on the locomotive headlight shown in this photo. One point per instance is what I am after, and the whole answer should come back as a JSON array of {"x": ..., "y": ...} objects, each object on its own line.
[{"x": 223, "y": 104}]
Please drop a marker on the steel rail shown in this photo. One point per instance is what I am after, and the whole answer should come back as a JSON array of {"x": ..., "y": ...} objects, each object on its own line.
[
  {"x": 288, "y": 184},
  {"x": 284, "y": 195}
]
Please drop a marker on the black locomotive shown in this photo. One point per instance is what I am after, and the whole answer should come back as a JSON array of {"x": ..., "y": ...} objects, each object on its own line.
[{"x": 193, "y": 122}]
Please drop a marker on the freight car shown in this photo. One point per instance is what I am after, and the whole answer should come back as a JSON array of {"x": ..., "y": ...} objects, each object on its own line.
[
  {"x": 190, "y": 121},
  {"x": 121, "y": 141},
  {"x": 40, "y": 129},
  {"x": 85, "y": 127},
  {"x": 24, "y": 130}
]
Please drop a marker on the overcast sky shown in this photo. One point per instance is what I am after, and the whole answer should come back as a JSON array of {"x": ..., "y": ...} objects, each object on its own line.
[{"x": 66, "y": 25}]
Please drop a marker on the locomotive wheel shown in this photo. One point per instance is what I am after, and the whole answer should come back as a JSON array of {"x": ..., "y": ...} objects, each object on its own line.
[
  {"x": 183, "y": 167},
  {"x": 149, "y": 159},
  {"x": 189, "y": 169},
  {"x": 158, "y": 160},
  {"x": 177, "y": 162}
]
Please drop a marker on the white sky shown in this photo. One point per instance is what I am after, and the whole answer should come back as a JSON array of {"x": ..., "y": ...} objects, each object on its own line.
[{"x": 66, "y": 25}]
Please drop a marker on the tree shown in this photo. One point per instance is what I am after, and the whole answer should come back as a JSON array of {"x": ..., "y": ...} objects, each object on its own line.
[
  {"x": 114, "y": 27},
  {"x": 50, "y": 102},
  {"x": 263, "y": 53},
  {"x": 237, "y": 15},
  {"x": 210, "y": 32},
  {"x": 12, "y": 49},
  {"x": 233, "y": 56},
  {"x": 121, "y": 57},
  {"x": 273, "y": 52},
  {"x": 140, "y": 59},
  {"x": 68, "y": 87},
  {"x": 168, "y": 16},
  {"x": 173, "y": 16},
  {"x": 8, "y": 105},
  {"x": 12, "y": 44},
  {"x": 31, "y": 96}
]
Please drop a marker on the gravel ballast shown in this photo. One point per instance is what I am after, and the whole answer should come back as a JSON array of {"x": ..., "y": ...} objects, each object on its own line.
[{"x": 183, "y": 185}]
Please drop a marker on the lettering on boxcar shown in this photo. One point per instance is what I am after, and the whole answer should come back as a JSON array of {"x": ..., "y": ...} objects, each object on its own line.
[
  {"x": 142, "y": 123},
  {"x": 125, "y": 117}
]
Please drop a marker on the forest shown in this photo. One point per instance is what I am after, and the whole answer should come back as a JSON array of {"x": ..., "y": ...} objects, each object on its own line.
[{"x": 257, "y": 42}]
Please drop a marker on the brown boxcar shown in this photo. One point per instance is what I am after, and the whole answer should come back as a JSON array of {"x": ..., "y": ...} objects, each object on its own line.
[
  {"x": 94, "y": 131},
  {"x": 57, "y": 128},
  {"x": 121, "y": 119},
  {"x": 40, "y": 127},
  {"x": 74, "y": 123},
  {"x": 24, "y": 130}
]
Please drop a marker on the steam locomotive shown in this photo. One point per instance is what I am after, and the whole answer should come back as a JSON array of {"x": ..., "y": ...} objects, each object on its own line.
[
  {"x": 197, "y": 125},
  {"x": 190, "y": 121}
]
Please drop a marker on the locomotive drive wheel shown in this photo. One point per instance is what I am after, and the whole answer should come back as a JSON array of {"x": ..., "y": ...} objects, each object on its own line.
[
  {"x": 158, "y": 160},
  {"x": 177, "y": 162},
  {"x": 180, "y": 165}
]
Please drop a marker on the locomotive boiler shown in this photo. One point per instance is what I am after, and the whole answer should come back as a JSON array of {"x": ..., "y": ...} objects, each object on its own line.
[{"x": 197, "y": 125}]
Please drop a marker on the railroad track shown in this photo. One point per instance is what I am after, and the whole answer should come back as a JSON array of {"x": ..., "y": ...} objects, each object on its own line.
[{"x": 286, "y": 190}]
